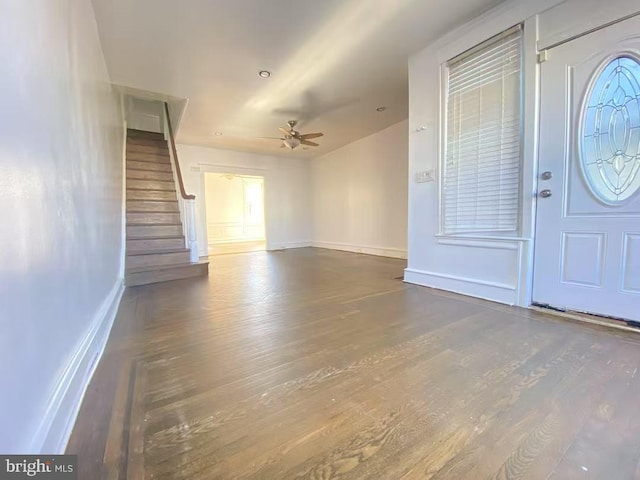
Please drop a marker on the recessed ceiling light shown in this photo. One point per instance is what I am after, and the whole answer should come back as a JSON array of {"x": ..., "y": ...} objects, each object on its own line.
[
  {"x": 217, "y": 134},
  {"x": 381, "y": 109},
  {"x": 264, "y": 73}
]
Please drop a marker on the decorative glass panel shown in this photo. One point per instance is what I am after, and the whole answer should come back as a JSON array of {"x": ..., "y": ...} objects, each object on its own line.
[{"x": 610, "y": 132}]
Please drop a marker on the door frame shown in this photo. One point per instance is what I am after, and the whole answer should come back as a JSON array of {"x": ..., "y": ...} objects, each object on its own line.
[
  {"x": 265, "y": 173},
  {"x": 542, "y": 56},
  {"x": 236, "y": 175}
]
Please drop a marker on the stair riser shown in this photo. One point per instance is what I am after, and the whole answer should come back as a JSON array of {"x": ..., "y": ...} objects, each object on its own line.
[
  {"x": 147, "y": 175},
  {"x": 137, "y": 246},
  {"x": 150, "y": 185},
  {"x": 142, "y": 231},
  {"x": 161, "y": 207},
  {"x": 132, "y": 133},
  {"x": 157, "y": 259},
  {"x": 149, "y": 166},
  {"x": 149, "y": 158},
  {"x": 153, "y": 142},
  {"x": 150, "y": 195},
  {"x": 148, "y": 149},
  {"x": 176, "y": 273},
  {"x": 153, "y": 218}
]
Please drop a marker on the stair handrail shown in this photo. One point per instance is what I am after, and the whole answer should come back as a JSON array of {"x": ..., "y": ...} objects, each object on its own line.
[
  {"x": 172, "y": 141},
  {"x": 187, "y": 203}
]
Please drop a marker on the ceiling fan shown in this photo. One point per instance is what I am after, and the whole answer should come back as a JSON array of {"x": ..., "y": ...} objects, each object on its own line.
[{"x": 293, "y": 139}]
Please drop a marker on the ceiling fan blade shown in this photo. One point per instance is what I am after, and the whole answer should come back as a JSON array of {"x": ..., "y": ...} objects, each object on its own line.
[
  {"x": 271, "y": 138},
  {"x": 309, "y": 136},
  {"x": 311, "y": 144},
  {"x": 284, "y": 130}
]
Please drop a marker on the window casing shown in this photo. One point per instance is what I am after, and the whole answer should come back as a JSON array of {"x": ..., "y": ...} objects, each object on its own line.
[{"x": 482, "y": 164}]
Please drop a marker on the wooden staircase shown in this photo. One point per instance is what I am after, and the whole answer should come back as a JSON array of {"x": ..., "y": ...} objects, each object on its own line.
[{"x": 155, "y": 241}]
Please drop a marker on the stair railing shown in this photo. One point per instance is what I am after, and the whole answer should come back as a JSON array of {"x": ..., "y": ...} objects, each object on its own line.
[{"x": 186, "y": 203}]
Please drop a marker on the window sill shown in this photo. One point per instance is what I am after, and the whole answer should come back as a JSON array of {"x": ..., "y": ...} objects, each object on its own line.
[{"x": 499, "y": 238}]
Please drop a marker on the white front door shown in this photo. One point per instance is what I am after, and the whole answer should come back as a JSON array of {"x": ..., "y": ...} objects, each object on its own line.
[{"x": 587, "y": 246}]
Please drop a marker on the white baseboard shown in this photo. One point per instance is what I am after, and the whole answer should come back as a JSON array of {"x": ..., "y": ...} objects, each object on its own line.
[
  {"x": 237, "y": 241},
  {"x": 287, "y": 246},
  {"x": 487, "y": 290},
  {"x": 55, "y": 428},
  {"x": 368, "y": 250}
]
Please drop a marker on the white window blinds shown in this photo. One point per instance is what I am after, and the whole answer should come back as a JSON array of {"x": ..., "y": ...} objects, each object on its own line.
[{"x": 481, "y": 175}]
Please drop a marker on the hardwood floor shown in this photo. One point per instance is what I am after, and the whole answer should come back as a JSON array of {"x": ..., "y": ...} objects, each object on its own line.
[{"x": 317, "y": 364}]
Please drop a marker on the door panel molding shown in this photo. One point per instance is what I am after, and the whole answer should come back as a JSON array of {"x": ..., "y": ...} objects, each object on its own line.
[
  {"x": 575, "y": 264},
  {"x": 631, "y": 263}
]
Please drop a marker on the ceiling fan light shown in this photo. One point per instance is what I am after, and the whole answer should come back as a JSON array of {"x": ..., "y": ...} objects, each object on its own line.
[{"x": 291, "y": 143}]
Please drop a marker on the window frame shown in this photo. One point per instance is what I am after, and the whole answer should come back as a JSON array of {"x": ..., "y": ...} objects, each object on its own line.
[{"x": 443, "y": 144}]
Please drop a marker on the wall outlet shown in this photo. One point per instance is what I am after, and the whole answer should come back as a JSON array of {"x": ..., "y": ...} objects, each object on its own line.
[{"x": 426, "y": 176}]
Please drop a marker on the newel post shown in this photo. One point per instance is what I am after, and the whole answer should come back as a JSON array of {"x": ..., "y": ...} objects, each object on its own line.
[{"x": 192, "y": 239}]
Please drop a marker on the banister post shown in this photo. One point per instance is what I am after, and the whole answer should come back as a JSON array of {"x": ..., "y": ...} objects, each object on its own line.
[{"x": 192, "y": 239}]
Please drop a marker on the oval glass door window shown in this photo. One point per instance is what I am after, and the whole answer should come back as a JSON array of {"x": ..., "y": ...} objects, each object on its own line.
[{"x": 610, "y": 132}]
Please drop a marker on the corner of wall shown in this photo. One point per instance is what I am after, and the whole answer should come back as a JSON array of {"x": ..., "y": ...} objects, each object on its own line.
[
  {"x": 289, "y": 245},
  {"x": 123, "y": 252}
]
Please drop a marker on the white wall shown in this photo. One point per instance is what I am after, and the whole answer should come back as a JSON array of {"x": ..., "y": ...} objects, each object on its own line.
[
  {"x": 146, "y": 115},
  {"x": 360, "y": 195},
  {"x": 493, "y": 267},
  {"x": 61, "y": 209},
  {"x": 286, "y": 191}
]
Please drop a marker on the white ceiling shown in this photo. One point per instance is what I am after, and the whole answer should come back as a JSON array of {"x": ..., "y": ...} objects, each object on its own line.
[{"x": 333, "y": 62}]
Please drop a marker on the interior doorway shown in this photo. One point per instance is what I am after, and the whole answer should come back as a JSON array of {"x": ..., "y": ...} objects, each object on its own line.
[{"x": 234, "y": 213}]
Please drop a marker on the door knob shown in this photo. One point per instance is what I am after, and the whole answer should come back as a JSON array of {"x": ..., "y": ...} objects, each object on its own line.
[
  {"x": 547, "y": 175},
  {"x": 545, "y": 193}
]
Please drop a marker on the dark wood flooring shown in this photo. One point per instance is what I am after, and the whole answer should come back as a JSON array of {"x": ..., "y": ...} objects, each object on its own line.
[{"x": 317, "y": 364}]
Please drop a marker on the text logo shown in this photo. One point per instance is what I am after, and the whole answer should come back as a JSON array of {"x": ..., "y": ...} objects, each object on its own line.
[{"x": 41, "y": 467}]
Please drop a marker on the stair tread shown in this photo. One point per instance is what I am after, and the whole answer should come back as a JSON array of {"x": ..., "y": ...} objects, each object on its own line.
[
  {"x": 151, "y": 268},
  {"x": 133, "y": 164},
  {"x": 169, "y": 216},
  {"x": 157, "y": 251},
  {"x": 157, "y": 156},
  {"x": 131, "y": 169},
  {"x": 132, "y": 140},
  {"x": 154, "y": 224},
  {"x": 147, "y": 142},
  {"x": 152, "y": 180},
  {"x": 155, "y": 201},
  {"x": 155, "y": 153},
  {"x": 164, "y": 159},
  {"x": 133, "y": 209},
  {"x": 150, "y": 195},
  {"x": 159, "y": 237},
  {"x": 145, "y": 133},
  {"x": 139, "y": 212},
  {"x": 147, "y": 138}
]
